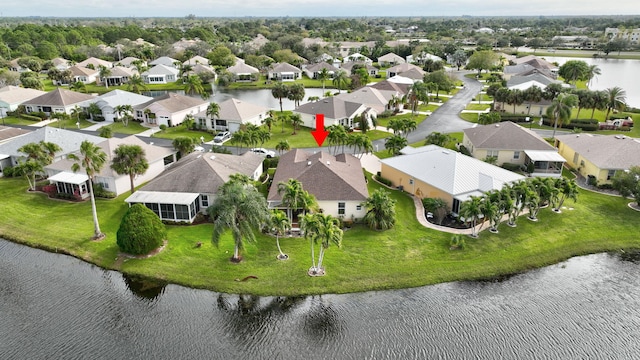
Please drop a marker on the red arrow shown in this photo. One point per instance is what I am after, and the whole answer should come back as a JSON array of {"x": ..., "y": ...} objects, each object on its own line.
[{"x": 320, "y": 133}]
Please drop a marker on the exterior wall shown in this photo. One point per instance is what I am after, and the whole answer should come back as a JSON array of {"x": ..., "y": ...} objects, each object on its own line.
[
  {"x": 418, "y": 188},
  {"x": 331, "y": 208},
  {"x": 54, "y": 109},
  {"x": 582, "y": 164},
  {"x": 523, "y": 109}
]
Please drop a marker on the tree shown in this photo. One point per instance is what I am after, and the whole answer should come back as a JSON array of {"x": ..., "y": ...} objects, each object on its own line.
[
  {"x": 417, "y": 93},
  {"x": 39, "y": 155},
  {"x": 136, "y": 84},
  {"x": 568, "y": 190},
  {"x": 92, "y": 159},
  {"x": 31, "y": 82},
  {"x": 491, "y": 117},
  {"x": 269, "y": 120},
  {"x": 437, "y": 138},
  {"x": 296, "y": 121},
  {"x": 130, "y": 160},
  {"x": 532, "y": 95},
  {"x": 124, "y": 113},
  {"x": 280, "y": 223},
  {"x": 441, "y": 80},
  {"x": 560, "y": 109},
  {"x": 592, "y": 73},
  {"x": 616, "y": 98},
  {"x": 104, "y": 73},
  {"x": 29, "y": 169},
  {"x": 323, "y": 229},
  {"x": 294, "y": 197},
  {"x": 140, "y": 231},
  {"x": 337, "y": 137},
  {"x": 184, "y": 145},
  {"x": 340, "y": 79},
  {"x": 213, "y": 111},
  {"x": 459, "y": 58},
  {"x": 78, "y": 86},
  {"x": 627, "y": 183},
  {"x": 238, "y": 208},
  {"x": 105, "y": 132},
  {"x": 189, "y": 122},
  {"x": 280, "y": 91},
  {"x": 283, "y": 146},
  {"x": 221, "y": 57},
  {"x": 471, "y": 210},
  {"x": 574, "y": 70},
  {"x": 296, "y": 93},
  {"x": 240, "y": 138},
  {"x": 482, "y": 60},
  {"x": 193, "y": 85},
  {"x": 381, "y": 212},
  {"x": 516, "y": 97},
  {"x": 323, "y": 75},
  {"x": 395, "y": 143}
]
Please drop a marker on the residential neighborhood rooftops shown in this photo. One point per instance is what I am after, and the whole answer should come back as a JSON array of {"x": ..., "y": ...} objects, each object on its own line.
[
  {"x": 506, "y": 135},
  {"x": 605, "y": 151},
  {"x": 60, "y": 97},
  {"x": 68, "y": 140},
  {"x": 332, "y": 107},
  {"x": 14, "y": 94},
  {"x": 237, "y": 110},
  {"x": 173, "y": 102}
]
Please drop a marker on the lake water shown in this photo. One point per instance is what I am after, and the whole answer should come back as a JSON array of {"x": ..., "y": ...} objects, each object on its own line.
[
  {"x": 57, "y": 307},
  {"x": 615, "y": 72}
]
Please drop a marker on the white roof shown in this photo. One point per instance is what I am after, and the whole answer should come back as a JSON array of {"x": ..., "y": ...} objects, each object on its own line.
[
  {"x": 160, "y": 197},
  {"x": 69, "y": 178},
  {"x": 400, "y": 80},
  {"x": 541, "y": 155},
  {"x": 528, "y": 84},
  {"x": 161, "y": 70},
  {"x": 451, "y": 171},
  {"x": 120, "y": 97}
]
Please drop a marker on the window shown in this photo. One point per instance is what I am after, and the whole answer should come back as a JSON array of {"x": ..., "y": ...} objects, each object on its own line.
[
  {"x": 359, "y": 207},
  {"x": 166, "y": 211},
  {"x": 153, "y": 207},
  {"x": 410, "y": 181},
  {"x": 516, "y": 155},
  {"x": 492, "y": 153},
  {"x": 611, "y": 174},
  {"x": 341, "y": 207},
  {"x": 204, "y": 199},
  {"x": 182, "y": 212}
]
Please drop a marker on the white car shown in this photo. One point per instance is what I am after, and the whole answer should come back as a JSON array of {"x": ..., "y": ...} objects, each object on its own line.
[
  {"x": 263, "y": 152},
  {"x": 222, "y": 137}
]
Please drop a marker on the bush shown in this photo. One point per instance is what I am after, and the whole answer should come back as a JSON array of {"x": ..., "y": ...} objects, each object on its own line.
[
  {"x": 140, "y": 231},
  {"x": 9, "y": 171},
  {"x": 31, "y": 117},
  {"x": 163, "y": 127},
  {"x": 385, "y": 114},
  {"x": 464, "y": 150},
  {"x": 383, "y": 180},
  {"x": 271, "y": 163},
  {"x": 99, "y": 191},
  {"x": 220, "y": 150},
  {"x": 511, "y": 167}
]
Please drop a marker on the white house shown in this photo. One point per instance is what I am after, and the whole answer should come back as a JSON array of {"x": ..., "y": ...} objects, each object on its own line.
[
  {"x": 109, "y": 101},
  {"x": 164, "y": 60},
  {"x": 84, "y": 75},
  {"x": 169, "y": 109},
  {"x": 232, "y": 114},
  {"x": 56, "y": 101},
  {"x": 160, "y": 74},
  {"x": 12, "y": 96}
]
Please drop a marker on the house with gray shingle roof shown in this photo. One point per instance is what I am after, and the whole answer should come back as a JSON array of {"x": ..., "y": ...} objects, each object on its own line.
[
  {"x": 119, "y": 75},
  {"x": 96, "y": 63},
  {"x": 69, "y": 141},
  {"x": 160, "y": 74},
  {"x": 390, "y": 59},
  {"x": 337, "y": 182},
  {"x": 313, "y": 70},
  {"x": 284, "y": 72},
  {"x": 232, "y": 114},
  {"x": 84, "y": 75},
  {"x": 109, "y": 101},
  {"x": 513, "y": 144},
  {"x": 335, "y": 110},
  {"x": 164, "y": 60},
  {"x": 435, "y": 172},
  {"x": 197, "y": 60},
  {"x": 348, "y": 67},
  {"x": 599, "y": 156},
  {"x": 243, "y": 72},
  {"x": 406, "y": 70},
  {"x": 190, "y": 185},
  {"x": 169, "y": 109},
  {"x": 128, "y": 62},
  {"x": 12, "y": 96},
  {"x": 56, "y": 101},
  {"x": 158, "y": 158}
]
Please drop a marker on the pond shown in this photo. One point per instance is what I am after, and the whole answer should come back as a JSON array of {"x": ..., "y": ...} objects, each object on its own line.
[{"x": 55, "y": 306}]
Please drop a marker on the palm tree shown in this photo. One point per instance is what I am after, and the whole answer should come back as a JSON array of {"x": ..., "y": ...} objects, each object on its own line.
[
  {"x": 568, "y": 190},
  {"x": 104, "y": 73},
  {"x": 124, "y": 113},
  {"x": 616, "y": 98},
  {"x": 269, "y": 120},
  {"x": 30, "y": 169},
  {"x": 75, "y": 112},
  {"x": 280, "y": 91},
  {"x": 296, "y": 93},
  {"x": 239, "y": 208},
  {"x": 408, "y": 125},
  {"x": 560, "y": 109},
  {"x": 592, "y": 72},
  {"x": 296, "y": 121},
  {"x": 471, "y": 210},
  {"x": 381, "y": 212},
  {"x": 193, "y": 85},
  {"x": 283, "y": 146},
  {"x": 39, "y": 155},
  {"x": 292, "y": 193},
  {"x": 417, "y": 93},
  {"x": 78, "y": 86},
  {"x": 92, "y": 159},
  {"x": 129, "y": 160},
  {"x": 532, "y": 95},
  {"x": 323, "y": 75},
  {"x": 337, "y": 136},
  {"x": 323, "y": 229},
  {"x": 184, "y": 145},
  {"x": 395, "y": 143},
  {"x": 240, "y": 138},
  {"x": 280, "y": 223},
  {"x": 340, "y": 79},
  {"x": 189, "y": 121},
  {"x": 136, "y": 84},
  {"x": 437, "y": 138}
]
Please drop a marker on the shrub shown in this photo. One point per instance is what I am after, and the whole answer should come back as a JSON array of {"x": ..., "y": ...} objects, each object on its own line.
[
  {"x": 457, "y": 242},
  {"x": 271, "y": 163},
  {"x": 385, "y": 114},
  {"x": 464, "y": 150},
  {"x": 383, "y": 180},
  {"x": 511, "y": 167},
  {"x": 31, "y": 117},
  {"x": 9, "y": 171},
  {"x": 163, "y": 127},
  {"x": 141, "y": 231},
  {"x": 220, "y": 150},
  {"x": 99, "y": 191}
]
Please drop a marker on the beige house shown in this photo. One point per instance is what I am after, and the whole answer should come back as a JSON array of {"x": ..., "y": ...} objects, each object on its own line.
[
  {"x": 335, "y": 110},
  {"x": 169, "y": 109},
  {"x": 599, "y": 157},
  {"x": 12, "y": 96},
  {"x": 67, "y": 181},
  {"x": 232, "y": 114},
  {"x": 56, "y": 101},
  {"x": 435, "y": 172},
  {"x": 390, "y": 59},
  {"x": 510, "y": 143},
  {"x": 337, "y": 182},
  {"x": 189, "y": 186}
]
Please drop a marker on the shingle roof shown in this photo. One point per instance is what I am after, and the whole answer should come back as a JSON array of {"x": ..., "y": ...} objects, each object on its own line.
[
  {"x": 121, "y": 71},
  {"x": 153, "y": 153},
  {"x": 95, "y": 62},
  {"x": 7, "y": 132},
  {"x": 68, "y": 140},
  {"x": 204, "y": 173},
  {"x": 332, "y": 108},
  {"x": 164, "y": 60},
  {"x": 128, "y": 60},
  {"x": 15, "y": 95},
  {"x": 451, "y": 171},
  {"x": 242, "y": 68},
  {"x": 284, "y": 67},
  {"x": 325, "y": 176},
  {"x": 197, "y": 60},
  {"x": 391, "y": 57},
  {"x": 161, "y": 70},
  {"x": 237, "y": 110},
  {"x": 401, "y": 68},
  {"x": 60, "y": 97},
  {"x": 173, "y": 102},
  {"x": 321, "y": 65},
  {"x": 369, "y": 96},
  {"x": 403, "y": 89},
  {"x": 605, "y": 151},
  {"x": 83, "y": 71},
  {"x": 505, "y": 136}
]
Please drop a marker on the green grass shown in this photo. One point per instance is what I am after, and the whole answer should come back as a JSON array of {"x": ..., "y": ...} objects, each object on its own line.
[
  {"x": 409, "y": 255},
  {"x": 482, "y": 107},
  {"x": 180, "y": 131},
  {"x": 132, "y": 128}
]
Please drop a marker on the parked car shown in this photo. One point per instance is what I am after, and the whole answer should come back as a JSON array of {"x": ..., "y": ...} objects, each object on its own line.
[
  {"x": 222, "y": 137},
  {"x": 263, "y": 152}
]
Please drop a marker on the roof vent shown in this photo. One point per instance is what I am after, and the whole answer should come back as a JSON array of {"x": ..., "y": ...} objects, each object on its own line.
[
  {"x": 308, "y": 163},
  {"x": 497, "y": 125},
  {"x": 213, "y": 157},
  {"x": 328, "y": 163}
]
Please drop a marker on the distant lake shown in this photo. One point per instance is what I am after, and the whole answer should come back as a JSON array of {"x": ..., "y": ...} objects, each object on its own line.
[{"x": 615, "y": 72}]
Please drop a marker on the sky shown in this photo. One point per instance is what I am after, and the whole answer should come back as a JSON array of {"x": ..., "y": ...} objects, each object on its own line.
[{"x": 313, "y": 8}]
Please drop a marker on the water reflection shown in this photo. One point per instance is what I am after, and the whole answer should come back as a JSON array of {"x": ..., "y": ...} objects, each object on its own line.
[{"x": 144, "y": 288}]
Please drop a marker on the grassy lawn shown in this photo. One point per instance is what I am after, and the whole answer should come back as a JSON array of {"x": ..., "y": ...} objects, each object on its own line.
[
  {"x": 132, "y": 128},
  {"x": 15, "y": 120},
  {"x": 406, "y": 256},
  {"x": 482, "y": 107},
  {"x": 417, "y": 117},
  {"x": 180, "y": 130}
]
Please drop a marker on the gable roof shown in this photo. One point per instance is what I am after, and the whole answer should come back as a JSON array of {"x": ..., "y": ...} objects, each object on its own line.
[
  {"x": 127, "y": 61},
  {"x": 78, "y": 70},
  {"x": 284, "y": 67},
  {"x": 173, "y": 102},
  {"x": 204, "y": 173},
  {"x": 605, "y": 151},
  {"x": 164, "y": 60},
  {"x": 536, "y": 62},
  {"x": 401, "y": 68},
  {"x": 153, "y": 153},
  {"x": 13, "y": 95},
  {"x": 121, "y": 71},
  {"x": 506, "y": 136},
  {"x": 413, "y": 74},
  {"x": 95, "y": 62},
  {"x": 325, "y": 176},
  {"x": 332, "y": 107},
  {"x": 321, "y": 65},
  {"x": 197, "y": 60},
  {"x": 120, "y": 97},
  {"x": 242, "y": 68},
  {"x": 60, "y": 97},
  {"x": 350, "y": 64},
  {"x": 389, "y": 85},
  {"x": 161, "y": 70},
  {"x": 68, "y": 140},
  {"x": 237, "y": 110},
  {"x": 391, "y": 57},
  {"x": 369, "y": 96},
  {"x": 451, "y": 171}
]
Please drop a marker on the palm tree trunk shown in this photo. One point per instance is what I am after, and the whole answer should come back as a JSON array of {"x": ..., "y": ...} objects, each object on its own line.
[
  {"x": 131, "y": 181},
  {"x": 236, "y": 252},
  {"x": 96, "y": 225},
  {"x": 320, "y": 257},
  {"x": 313, "y": 256},
  {"x": 278, "y": 244}
]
